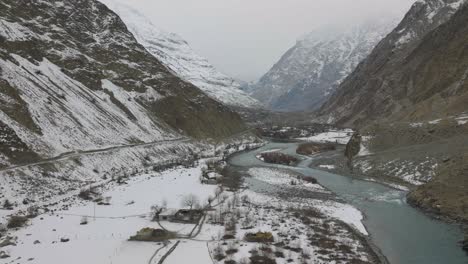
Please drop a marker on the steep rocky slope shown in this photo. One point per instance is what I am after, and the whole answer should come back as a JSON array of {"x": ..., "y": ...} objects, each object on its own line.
[
  {"x": 409, "y": 104},
  {"x": 310, "y": 71},
  {"x": 74, "y": 78},
  {"x": 176, "y": 54},
  {"x": 411, "y": 74}
]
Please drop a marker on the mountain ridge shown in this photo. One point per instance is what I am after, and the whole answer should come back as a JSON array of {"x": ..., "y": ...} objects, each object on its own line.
[
  {"x": 308, "y": 72},
  {"x": 79, "y": 80},
  {"x": 380, "y": 78},
  {"x": 176, "y": 54}
]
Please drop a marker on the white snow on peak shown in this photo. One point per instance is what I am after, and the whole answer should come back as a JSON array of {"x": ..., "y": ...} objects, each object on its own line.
[
  {"x": 433, "y": 10},
  {"x": 319, "y": 62},
  {"x": 178, "y": 56}
]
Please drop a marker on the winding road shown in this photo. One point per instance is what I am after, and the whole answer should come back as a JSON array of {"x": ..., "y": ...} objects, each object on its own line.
[{"x": 79, "y": 153}]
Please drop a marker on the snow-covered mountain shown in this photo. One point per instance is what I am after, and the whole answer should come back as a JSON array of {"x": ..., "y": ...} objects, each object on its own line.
[
  {"x": 73, "y": 81},
  {"x": 309, "y": 72},
  {"x": 176, "y": 54},
  {"x": 82, "y": 101}
]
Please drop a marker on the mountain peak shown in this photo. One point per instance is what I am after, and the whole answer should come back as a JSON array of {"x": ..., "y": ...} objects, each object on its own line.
[
  {"x": 176, "y": 54},
  {"x": 309, "y": 72}
]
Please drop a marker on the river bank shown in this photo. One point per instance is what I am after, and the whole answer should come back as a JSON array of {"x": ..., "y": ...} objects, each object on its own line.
[{"x": 404, "y": 234}]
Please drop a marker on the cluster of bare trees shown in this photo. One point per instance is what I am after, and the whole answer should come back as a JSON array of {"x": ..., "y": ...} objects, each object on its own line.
[{"x": 191, "y": 201}]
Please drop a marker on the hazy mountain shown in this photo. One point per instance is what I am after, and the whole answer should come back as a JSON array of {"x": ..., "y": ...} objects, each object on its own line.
[
  {"x": 415, "y": 72},
  {"x": 310, "y": 71},
  {"x": 409, "y": 101}
]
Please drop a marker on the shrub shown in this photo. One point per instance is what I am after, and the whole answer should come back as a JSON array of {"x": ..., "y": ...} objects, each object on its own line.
[
  {"x": 261, "y": 260},
  {"x": 32, "y": 211},
  {"x": 259, "y": 237},
  {"x": 151, "y": 234},
  {"x": 16, "y": 221},
  {"x": 278, "y": 158},
  {"x": 85, "y": 194},
  {"x": 309, "y": 179},
  {"x": 218, "y": 252},
  {"x": 279, "y": 254},
  {"x": 313, "y": 148},
  {"x": 7, "y": 205}
]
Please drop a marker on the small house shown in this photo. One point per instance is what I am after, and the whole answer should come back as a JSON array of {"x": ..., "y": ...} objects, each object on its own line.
[
  {"x": 188, "y": 215},
  {"x": 167, "y": 215},
  {"x": 152, "y": 234},
  {"x": 211, "y": 177}
]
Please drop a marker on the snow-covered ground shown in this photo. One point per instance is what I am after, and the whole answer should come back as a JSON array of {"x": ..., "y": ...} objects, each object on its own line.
[
  {"x": 333, "y": 136},
  {"x": 24, "y": 182},
  {"x": 364, "y": 147},
  {"x": 75, "y": 117},
  {"x": 190, "y": 252},
  {"x": 296, "y": 228},
  {"x": 462, "y": 119},
  {"x": 328, "y": 167},
  {"x": 104, "y": 239},
  {"x": 282, "y": 177}
]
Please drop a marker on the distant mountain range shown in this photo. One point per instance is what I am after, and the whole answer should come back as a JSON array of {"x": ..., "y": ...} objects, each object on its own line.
[{"x": 308, "y": 73}]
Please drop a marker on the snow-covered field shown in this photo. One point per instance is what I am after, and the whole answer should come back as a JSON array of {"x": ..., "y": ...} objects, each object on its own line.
[
  {"x": 333, "y": 136},
  {"x": 300, "y": 226},
  {"x": 281, "y": 177},
  {"x": 104, "y": 238},
  {"x": 296, "y": 228},
  {"x": 46, "y": 182}
]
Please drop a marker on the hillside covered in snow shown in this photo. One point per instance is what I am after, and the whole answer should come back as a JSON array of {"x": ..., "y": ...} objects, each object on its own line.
[
  {"x": 79, "y": 81},
  {"x": 176, "y": 54},
  {"x": 309, "y": 72}
]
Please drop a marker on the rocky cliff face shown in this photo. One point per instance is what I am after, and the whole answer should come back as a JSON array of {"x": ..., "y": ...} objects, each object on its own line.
[
  {"x": 176, "y": 54},
  {"x": 310, "y": 71},
  {"x": 408, "y": 99},
  {"x": 73, "y": 77},
  {"x": 412, "y": 74}
]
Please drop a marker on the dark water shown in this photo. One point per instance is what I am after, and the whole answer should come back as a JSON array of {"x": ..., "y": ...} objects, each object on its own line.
[{"x": 404, "y": 234}]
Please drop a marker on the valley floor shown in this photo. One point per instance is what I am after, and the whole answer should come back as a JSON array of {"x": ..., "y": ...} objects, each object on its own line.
[{"x": 304, "y": 230}]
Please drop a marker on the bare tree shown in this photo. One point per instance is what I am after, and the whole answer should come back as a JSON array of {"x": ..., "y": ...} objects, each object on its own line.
[
  {"x": 190, "y": 200},
  {"x": 209, "y": 200},
  {"x": 219, "y": 190},
  {"x": 158, "y": 209},
  {"x": 7, "y": 204}
]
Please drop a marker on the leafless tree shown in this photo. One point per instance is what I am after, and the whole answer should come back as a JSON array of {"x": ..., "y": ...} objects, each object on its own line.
[
  {"x": 158, "y": 209},
  {"x": 190, "y": 200},
  {"x": 209, "y": 200},
  {"x": 219, "y": 190}
]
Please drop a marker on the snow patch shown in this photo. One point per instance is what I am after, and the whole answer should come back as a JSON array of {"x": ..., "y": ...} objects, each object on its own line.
[{"x": 333, "y": 136}]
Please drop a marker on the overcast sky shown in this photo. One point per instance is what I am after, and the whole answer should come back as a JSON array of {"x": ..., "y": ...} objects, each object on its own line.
[{"x": 244, "y": 38}]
